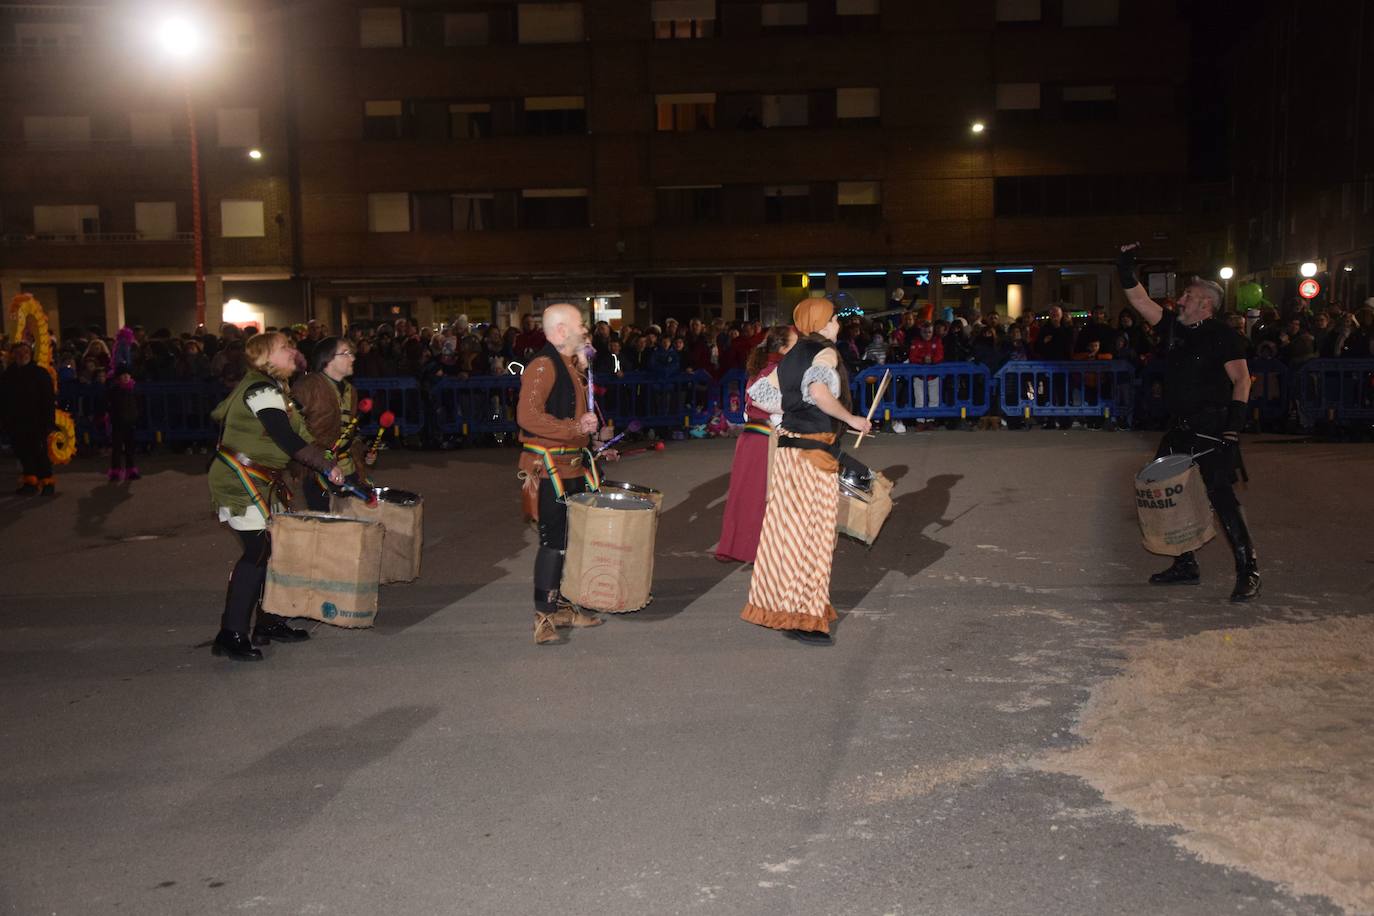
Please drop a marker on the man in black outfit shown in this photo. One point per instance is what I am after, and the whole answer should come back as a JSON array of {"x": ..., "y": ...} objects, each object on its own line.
[
  {"x": 27, "y": 409},
  {"x": 1206, "y": 389}
]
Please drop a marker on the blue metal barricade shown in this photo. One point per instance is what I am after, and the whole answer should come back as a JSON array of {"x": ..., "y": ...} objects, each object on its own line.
[
  {"x": 679, "y": 400},
  {"x": 475, "y": 407},
  {"x": 1080, "y": 388},
  {"x": 175, "y": 412},
  {"x": 730, "y": 390},
  {"x": 920, "y": 392},
  {"x": 401, "y": 396},
  {"x": 1334, "y": 390},
  {"x": 86, "y": 404}
]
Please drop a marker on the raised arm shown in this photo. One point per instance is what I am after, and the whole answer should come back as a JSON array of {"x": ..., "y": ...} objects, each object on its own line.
[{"x": 1150, "y": 310}]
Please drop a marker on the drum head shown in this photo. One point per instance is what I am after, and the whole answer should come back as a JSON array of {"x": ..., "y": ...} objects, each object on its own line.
[
  {"x": 633, "y": 489},
  {"x": 612, "y": 500},
  {"x": 1165, "y": 468},
  {"x": 398, "y": 497}
]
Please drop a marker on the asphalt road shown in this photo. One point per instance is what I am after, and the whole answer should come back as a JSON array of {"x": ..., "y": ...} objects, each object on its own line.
[{"x": 672, "y": 761}]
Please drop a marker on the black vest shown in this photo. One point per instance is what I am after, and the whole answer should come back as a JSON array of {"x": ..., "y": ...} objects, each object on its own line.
[
  {"x": 797, "y": 415},
  {"x": 562, "y": 399}
]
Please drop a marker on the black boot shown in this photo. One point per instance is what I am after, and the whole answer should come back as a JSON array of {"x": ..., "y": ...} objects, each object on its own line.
[
  {"x": 1247, "y": 569},
  {"x": 276, "y": 630},
  {"x": 235, "y": 645},
  {"x": 1184, "y": 571}
]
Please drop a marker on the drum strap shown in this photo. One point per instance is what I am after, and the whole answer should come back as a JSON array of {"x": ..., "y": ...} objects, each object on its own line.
[
  {"x": 763, "y": 429},
  {"x": 589, "y": 471},
  {"x": 255, "y": 479}
]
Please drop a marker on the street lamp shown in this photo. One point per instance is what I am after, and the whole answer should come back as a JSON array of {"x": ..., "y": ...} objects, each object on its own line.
[
  {"x": 255, "y": 154},
  {"x": 1308, "y": 269},
  {"x": 1226, "y": 273},
  {"x": 179, "y": 39},
  {"x": 977, "y": 127}
]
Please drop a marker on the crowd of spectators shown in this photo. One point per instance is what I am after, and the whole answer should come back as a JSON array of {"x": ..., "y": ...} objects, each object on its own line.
[{"x": 463, "y": 350}]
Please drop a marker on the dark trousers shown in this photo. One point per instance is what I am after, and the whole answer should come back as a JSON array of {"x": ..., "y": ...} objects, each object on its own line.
[
  {"x": 246, "y": 583},
  {"x": 121, "y": 447},
  {"x": 553, "y": 542},
  {"x": 1218, "y": 470},
  {"x": 31, "y": 448}
]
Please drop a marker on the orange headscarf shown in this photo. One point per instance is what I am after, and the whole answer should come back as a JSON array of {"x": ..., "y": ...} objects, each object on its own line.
[{"x": 812, "y": 314}]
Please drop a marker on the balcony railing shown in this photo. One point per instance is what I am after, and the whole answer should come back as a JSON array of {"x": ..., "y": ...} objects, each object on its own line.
[{"x": 95, "y": 238}]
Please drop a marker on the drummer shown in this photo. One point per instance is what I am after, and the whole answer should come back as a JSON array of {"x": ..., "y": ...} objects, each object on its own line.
[
  {"x": 555, "y": 429},
  {"x": 328, "y": 400},
  {"x": 1206, "y": 389}
]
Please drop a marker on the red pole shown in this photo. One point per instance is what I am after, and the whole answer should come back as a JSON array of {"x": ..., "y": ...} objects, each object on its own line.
[{"x": 196, "y": 232}]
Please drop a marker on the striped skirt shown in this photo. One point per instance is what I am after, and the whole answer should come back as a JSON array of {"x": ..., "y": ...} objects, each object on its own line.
[{"x": 790, "y": 588}]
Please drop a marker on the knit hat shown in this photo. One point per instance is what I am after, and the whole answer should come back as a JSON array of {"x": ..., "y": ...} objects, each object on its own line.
[{"x": 812, "y": 314}]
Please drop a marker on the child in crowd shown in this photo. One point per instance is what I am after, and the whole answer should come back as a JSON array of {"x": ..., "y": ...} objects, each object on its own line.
[{"x": 123, "y": 414}]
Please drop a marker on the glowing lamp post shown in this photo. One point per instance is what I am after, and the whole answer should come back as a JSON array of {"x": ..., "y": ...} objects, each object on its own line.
[
  {"x": 1226, "y": 273},
  {"x": 180, "y": 40}
]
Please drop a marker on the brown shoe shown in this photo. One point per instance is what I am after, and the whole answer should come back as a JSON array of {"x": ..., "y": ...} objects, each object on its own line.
[
  {"x": 544, "y": 632},
  {"x": 570, "y": 615}
]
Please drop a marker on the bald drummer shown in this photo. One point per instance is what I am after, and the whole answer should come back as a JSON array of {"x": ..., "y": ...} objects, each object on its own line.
[{"x": 555, "y": 431}]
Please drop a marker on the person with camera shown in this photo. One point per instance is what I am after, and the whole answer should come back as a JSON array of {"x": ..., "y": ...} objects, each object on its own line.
[{"x": 1206, "y": 390}]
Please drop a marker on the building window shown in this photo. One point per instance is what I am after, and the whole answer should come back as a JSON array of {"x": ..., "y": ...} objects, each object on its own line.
[
  {"x": 1018, "y": 10},
  {"x": 466, "y": 30},
  {"x": 686, "y": 111},
  {"x": 859, "y": 201},
  {"x": 150, "y": 128},
  {"x": 692, "y": 205},
  {"x": 66, "y": 221},
  {"x": 553, "y": 208},
  {"x": 469, "y": 120},
  {"x": 780, "y": 16},
  {"x": 155, "y": 219},
  {"x": 1090, "y": 13},
  {"x": 473, "y": 212},
  {"x": 1089, "y": 103},
  {"x": 57, "y": 130},
  {"x": 858, "y": 106},
  {"x": 787, "y": 203},
  {"x": 241, "y": 219},
  {"x": 549, "y": 23},
  {"x": 1018, "y": 96},
  {"x": 388, "y": 212},
  {"x": 550, "y": 115},
  {"x": 684, "y": 18},
  {"x": 48, "y": 37},
  {"x": 786, "y": 110},
  {"x": 382, "y": 119},
  {"x": 380, "y": 27},
  {"x": 238, "y": 127}
]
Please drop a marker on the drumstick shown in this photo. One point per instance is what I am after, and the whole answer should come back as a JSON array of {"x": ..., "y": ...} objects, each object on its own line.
[{"x": 877, "y": 396}]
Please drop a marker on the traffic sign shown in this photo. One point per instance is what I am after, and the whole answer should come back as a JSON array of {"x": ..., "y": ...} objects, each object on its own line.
[{"x": 1309, "y": 288}]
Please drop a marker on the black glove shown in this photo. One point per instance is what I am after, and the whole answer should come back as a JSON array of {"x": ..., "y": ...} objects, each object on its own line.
[
  {"x": 1235, "y": 417},
  {"x": 1125, "y": 268}
]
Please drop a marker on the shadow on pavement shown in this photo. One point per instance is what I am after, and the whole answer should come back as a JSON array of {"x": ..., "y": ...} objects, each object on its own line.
[
  {"x": 95, "y": 508},
  {"x": 684, "y": 569}
]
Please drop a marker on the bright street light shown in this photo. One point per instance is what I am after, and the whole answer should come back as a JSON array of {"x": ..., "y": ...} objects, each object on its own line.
[
  {"x": 1308, "y": 269},
  {"x": 179, "y": 38},
  {"x": 1227, "y": 273},
  {"x": 255, "y": 154},
  {"x": 977, "y": 127}
]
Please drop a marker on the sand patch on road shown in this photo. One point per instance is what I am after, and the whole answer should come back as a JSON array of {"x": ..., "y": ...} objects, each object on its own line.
[{"x": 1256, "y": 742}]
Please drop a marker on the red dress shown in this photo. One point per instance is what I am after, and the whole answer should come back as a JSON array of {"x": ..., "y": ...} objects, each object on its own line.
[{"x": 744, "y": 506}]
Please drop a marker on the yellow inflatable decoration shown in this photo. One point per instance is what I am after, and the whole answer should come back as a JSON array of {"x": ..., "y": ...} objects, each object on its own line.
[{"x": 29, "y": 316}]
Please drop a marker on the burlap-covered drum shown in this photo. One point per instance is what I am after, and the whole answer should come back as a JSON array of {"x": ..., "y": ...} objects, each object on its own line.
[
  {"x": 401, "y": 513},
  {"x": 1171, "y": 500},
  {"x": 609, "y": 565},
  {"x": 862, "y": 511},
  {"x": 324, "y": 567},
  {"x": 635, "y": 490}
]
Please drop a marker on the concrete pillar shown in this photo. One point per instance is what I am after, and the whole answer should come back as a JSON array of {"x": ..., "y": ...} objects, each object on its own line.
[
  {"x": 1044, "y": 288},
  {"x": 214, "y": 303},
  {"x": 114, "y": 305},
  {"x": 322, "y": 309},
  {"x": 987, "y": 292},
  {"x": 629, "y": 312},
  {"x": 424, "y": 311},
  {"x": 9, "y": 288},
  {"x": 526, "y": 307},
  {"x": 727, "y": 297}
]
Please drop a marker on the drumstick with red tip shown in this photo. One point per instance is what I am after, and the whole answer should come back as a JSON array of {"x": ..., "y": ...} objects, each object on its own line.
[
  {"x": 386, "y": 421},
  {"x": 364, "y": 408}
]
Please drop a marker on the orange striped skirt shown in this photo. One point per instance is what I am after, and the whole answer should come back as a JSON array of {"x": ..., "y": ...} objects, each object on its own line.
[{"x": 790, "y": 588}]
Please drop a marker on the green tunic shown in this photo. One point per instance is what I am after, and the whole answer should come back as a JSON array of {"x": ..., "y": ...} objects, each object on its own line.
[{"x": 241, "y": 432}]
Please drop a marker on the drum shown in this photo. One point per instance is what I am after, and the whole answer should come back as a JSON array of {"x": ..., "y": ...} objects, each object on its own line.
[
  {"x": 649, "y": 493},
  {"x": 862, "y": 513},
  {"x": 324, "y": 567},
  {"x": 1171, "y": 501},
  {"x": 609, "y": 564},
  {"x": 401, "y": 513}
]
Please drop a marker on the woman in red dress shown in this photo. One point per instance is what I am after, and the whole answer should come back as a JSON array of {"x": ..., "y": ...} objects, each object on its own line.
[{"x": 739, "y": 530}]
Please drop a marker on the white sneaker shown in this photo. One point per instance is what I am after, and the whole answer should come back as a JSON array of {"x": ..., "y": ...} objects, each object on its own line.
[{"x": 898, "y": 427}]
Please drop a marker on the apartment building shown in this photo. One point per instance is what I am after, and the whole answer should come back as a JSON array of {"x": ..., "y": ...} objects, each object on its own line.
[{"x": 672, "y": 157}]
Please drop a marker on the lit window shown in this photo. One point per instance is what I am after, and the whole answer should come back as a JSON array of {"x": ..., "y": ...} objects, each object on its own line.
[
  {"x": 857, "y": 104},
  {"x": 241, "y": 219},
  {"x": 155, "y": 219},
  {"x": 785, "y": 110},
  {"x": 858, "y": 193},
  {"x": 684, "y": 18},
  {"x": 382, "y": 119},
  {"x": 1018, "y": 96},
  {"x": 380, "y": 27},
  {"x": 238, "y": 127},
  {"x": 686, "y": 111},
  {"x": 66, "y": 220},
  {"x": 388, "y": 212},
  {"x": 550, "y": 23}
]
